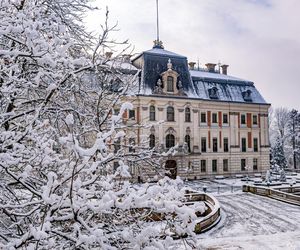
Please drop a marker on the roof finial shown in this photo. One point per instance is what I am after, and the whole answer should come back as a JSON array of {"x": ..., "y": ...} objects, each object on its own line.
[
  {"x": 169, "y": 64},
  {"x": 157, "y": 43}
]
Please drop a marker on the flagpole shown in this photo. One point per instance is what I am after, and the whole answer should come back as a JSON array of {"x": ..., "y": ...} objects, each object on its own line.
[{"x": 157, "y": 21}]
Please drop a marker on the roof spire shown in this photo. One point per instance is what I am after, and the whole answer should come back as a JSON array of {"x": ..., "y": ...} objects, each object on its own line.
[
  {"x": 157, "y": 43},
  {"x": 157, "y": 22}
]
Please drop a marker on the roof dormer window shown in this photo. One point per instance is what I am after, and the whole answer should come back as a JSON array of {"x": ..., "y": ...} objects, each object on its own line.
[
  {"x": 170, "y": 84},
  {"x": 213, "y": 93},
  {"x": 247, "y": 95}
]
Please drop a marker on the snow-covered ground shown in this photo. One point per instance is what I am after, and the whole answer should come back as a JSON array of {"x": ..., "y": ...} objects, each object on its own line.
[{"x": 249, "y": 221}]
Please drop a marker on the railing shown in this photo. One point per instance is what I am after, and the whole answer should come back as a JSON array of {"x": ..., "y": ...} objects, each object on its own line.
[
  {"x": 289, "y": 189},
  {"x": 212, "y": 218},
  {"x": 275, "y": 193}
]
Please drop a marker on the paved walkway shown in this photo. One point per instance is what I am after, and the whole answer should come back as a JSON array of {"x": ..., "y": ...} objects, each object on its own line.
[{"x": 254, "y": 222}]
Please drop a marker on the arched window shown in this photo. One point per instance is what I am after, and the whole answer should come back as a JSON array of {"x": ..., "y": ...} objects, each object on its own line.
[
  {"x": 170, "y": 114},
  {"x": 152, "y": 113},
  {"x": 187, "y": 140},
  {"x": 170, "y": 84},
  {"x": 187, "y": 114},
  {"x": 170, "y": 141},
  {"x": 152, "y": 141}
]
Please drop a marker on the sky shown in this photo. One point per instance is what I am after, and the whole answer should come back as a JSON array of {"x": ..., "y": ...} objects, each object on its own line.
[{"x": 258, "y": 39}]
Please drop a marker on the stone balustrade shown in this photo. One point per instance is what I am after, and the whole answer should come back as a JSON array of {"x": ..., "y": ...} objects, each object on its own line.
[
  {"x": 214, "y": 211},
  {"x": 283, "y": 194}
]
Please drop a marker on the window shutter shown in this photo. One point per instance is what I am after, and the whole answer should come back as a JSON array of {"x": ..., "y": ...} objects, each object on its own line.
[{"x": 249, "y": 120}]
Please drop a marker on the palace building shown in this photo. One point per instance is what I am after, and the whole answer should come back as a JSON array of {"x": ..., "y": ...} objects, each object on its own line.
[{"x": 218, "y": 123}]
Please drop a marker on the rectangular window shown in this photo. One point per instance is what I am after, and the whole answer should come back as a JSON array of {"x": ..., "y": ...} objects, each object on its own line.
[
  {"x": 203, "y": 166},
  {"x": 243, "y": 164},
  {"x": 214, "y": 118},
  {"x": 214, "y": 166},
  {"x": 243, "y": 119},
  {"x": 152, "y": 113},
  {"x": 215, "y": 145},
  {"x": 203, "y": 144},
  {"x": 225, "y": 165},
  {"x": 225, "y": 118},
  {"x": 255, "y": 165},
  {"x": 203, "y": 117},
  {"x": 170, "y": 84},
  {"x": 255, "y": 145},
  {"x": 131, "y": 114},
  {"x": 254, "y": 119},
  {"x": 226, "y": 146},
  {"x": 244, "y": 145}
]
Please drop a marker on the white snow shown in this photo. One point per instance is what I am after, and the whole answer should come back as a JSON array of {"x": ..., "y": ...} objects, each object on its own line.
[
  {"x": 205, "y": 74},
  {"x": 163, "y": 52},
  {"x": 248, "y": 221},
  {"x": 70, "y": 119}
]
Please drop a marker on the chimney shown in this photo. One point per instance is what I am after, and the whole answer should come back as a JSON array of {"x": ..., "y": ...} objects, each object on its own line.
[
  {"x": 211, "y": 67},
  {"x": 224, "y": 69},
  {"x": 192, "y": 65},
  {"x": 108, "y": 55}
]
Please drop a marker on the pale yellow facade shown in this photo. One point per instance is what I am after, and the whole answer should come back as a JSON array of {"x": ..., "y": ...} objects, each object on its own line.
[{"x": 200, "y": 163}]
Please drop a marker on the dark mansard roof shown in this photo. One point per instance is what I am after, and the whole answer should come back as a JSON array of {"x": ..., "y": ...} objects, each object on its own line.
[{"x": 196, "y": 84}]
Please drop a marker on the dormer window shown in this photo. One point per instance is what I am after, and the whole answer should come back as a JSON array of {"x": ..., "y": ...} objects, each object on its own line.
[
  {"x": 169, "y": 80},
  {"x": 247, "y": 95},
  {"x": 170, "y": 84},
  {"x": 213, "y": 93}
]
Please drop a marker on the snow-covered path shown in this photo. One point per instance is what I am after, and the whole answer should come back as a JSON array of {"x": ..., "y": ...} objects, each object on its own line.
[{"x": 254, "y": 222}]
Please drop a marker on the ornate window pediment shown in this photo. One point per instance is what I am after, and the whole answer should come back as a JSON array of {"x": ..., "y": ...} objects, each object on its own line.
[
  {"x": 171, "y": 131},
  {"x": 169, "y": 83}
]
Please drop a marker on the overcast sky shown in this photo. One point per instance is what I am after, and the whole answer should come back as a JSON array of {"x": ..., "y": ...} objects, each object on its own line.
[{"x": 259, "y": 39}]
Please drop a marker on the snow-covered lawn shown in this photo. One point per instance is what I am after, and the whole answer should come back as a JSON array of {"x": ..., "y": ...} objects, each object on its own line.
[{"x": 249, "y": 221}]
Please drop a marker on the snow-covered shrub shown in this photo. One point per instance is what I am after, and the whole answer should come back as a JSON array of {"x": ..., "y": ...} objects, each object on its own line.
[{"x": 59, "y": 187}]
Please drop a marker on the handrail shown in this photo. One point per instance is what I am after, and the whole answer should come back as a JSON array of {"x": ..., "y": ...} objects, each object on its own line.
[{"x": 273, "y": 193}]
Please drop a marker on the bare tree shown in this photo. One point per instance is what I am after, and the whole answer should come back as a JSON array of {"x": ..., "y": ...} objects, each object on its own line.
[{"x": 281, "y": 119}]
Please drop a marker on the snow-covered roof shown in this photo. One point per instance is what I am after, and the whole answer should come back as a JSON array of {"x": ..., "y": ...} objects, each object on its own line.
[
  {"x": 163, "y": 52},
  {"x": 217, "y": 76},
  {"x": 196, "y": 84},
  {"x": 229, "y": 92}
]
